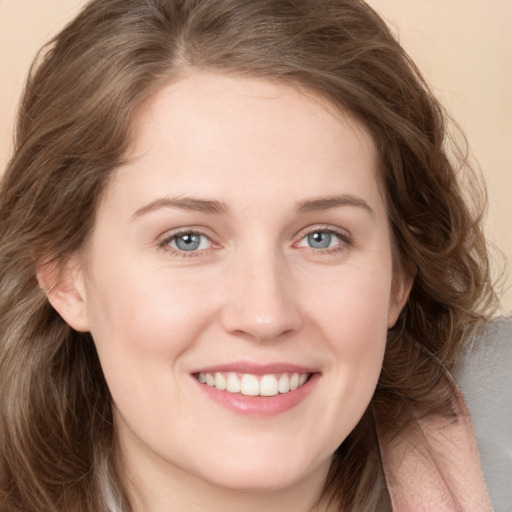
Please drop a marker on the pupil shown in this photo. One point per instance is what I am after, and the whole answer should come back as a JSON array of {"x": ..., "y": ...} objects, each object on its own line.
[
  {"x": 188, "y": 242},
  {"x": 319, "y": 240}
]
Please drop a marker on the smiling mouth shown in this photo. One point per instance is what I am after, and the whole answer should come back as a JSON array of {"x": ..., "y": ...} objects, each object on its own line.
[{"x": 253, "y": 385}]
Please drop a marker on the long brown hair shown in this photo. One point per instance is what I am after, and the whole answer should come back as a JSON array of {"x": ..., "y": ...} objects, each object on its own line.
[{"x": 57, "y": 435}]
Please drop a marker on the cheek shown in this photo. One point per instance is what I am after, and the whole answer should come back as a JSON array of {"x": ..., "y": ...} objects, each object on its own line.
[
  {"x": 354, "y": 306},
  {"x": 353, "y": 319},
  {"x": 144, "y": 308},
  {"x": 141, "y": 323}
]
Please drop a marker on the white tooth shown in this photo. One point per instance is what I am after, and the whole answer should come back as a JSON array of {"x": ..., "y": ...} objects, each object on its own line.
[
  {"x": 220, "y": 381},
  {"x": 233, "y": 383},
  {"x": 250, "y": 385},
  {"x": 202, "y": 378},
  {"x": 268, "y": 385},
  {"x": 303, "y": 378},
  {"x": 210, "y": 380},
  {"x": 294, "y": 381},
  {"x": 284, "y": 383}
]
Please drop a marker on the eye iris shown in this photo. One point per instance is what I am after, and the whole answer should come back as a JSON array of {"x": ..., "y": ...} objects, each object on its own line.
[
  {"x": 319, "y": 240},
  {"x": 188, "y": 242}
]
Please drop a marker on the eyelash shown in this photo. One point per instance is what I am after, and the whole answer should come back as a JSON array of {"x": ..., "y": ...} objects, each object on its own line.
[
  {"x": 346, "y": 242},
  {"x": 165, "y": 244}
]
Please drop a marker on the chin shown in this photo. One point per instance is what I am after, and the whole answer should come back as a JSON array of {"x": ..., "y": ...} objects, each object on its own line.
[
  {"x": 255, "y": 480},
  {"x": 270, "y": 473}
]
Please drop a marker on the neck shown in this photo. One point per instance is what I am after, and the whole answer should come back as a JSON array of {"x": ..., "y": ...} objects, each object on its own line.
[{"x": 193, "y": 496}]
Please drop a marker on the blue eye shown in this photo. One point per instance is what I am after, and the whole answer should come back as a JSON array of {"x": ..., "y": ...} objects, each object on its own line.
[
  {"x": 189, "y": 242},
  {"x": 321, "y": 239}
]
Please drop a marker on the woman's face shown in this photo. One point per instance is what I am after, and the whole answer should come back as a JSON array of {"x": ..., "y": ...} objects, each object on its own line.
[{"x": 245, "y": 243}]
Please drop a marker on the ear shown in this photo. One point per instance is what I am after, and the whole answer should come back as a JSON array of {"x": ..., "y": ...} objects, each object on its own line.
[
  {"x": 65, "y": 290},
  {"x": 400, "y": 291}
]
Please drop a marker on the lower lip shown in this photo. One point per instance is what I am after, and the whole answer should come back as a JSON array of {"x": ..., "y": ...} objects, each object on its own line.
[{"x": 260, "y": 406}]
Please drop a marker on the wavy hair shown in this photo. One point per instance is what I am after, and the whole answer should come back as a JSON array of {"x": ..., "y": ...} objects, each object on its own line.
[{"x": 57, "y": 433}]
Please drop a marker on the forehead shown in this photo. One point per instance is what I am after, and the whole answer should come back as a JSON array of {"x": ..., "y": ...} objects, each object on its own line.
[{"x": 214, "y": 134}]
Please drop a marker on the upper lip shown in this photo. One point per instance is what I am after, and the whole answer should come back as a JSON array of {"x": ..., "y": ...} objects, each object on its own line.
[{"x": 255, "y": 368}]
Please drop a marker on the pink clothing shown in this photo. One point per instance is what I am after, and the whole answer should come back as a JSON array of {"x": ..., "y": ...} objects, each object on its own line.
[{"x": 435, "y": 466}]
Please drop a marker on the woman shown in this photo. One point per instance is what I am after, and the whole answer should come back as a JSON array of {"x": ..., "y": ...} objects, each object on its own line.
[{"x": 236, "y": 265}]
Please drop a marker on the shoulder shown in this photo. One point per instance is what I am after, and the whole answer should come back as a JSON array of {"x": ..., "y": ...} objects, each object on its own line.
[
  {"x": 484, "y": 374},
  {"x": 484, "y": 368}
]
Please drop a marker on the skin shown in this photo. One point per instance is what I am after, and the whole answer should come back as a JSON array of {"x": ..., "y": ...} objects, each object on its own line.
[{"x": 254, "y": 291}]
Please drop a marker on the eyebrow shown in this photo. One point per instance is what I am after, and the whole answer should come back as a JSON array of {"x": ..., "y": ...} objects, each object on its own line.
[
  {"x": 215, "y": 207},
  {"x": 184, "y": 203},
  {"x": 329, "y": 202}
]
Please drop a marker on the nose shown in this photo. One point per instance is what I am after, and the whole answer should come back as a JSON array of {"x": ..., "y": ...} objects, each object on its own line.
[{"x": 260, "y": 302}]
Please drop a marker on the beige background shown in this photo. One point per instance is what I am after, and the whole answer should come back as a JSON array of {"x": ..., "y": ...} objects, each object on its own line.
[{"x": 464, "y": 48}]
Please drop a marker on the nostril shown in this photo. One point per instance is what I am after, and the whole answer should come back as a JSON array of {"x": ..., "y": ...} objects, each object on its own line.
[
  {"x": 262, "y": 332},
  {"x": 260, "y": 305}
]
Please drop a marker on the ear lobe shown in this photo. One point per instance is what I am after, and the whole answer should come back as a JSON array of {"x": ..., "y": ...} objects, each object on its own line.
[
  {"x": 399, "y": 296},
  {"x": 64, "y": 288}
]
